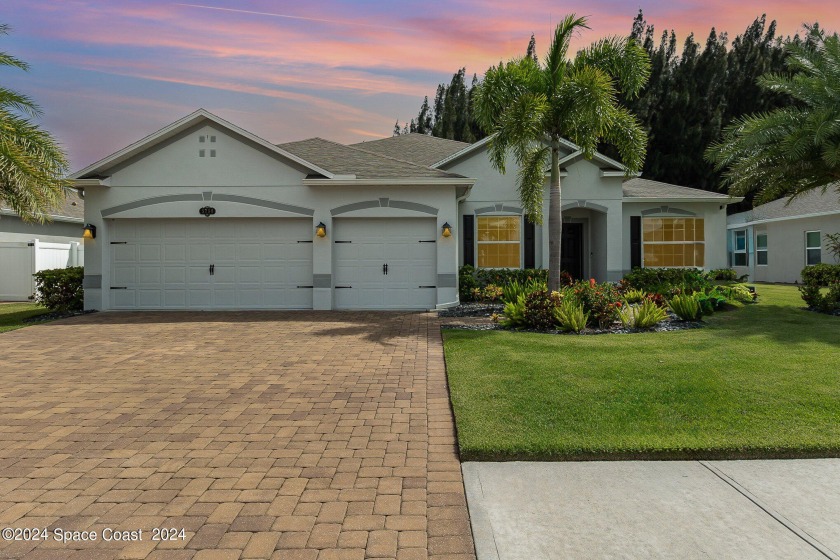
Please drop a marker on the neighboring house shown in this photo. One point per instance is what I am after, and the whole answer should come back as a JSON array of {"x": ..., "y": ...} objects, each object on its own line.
[
  {"x": 26, "y": 248},
  {"x": 377, "y": 225},
  {"x": 775, "y": 241}
]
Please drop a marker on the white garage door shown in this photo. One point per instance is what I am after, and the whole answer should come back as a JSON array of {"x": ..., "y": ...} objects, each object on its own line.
[
  {"x": 385, "y": 263},
  {"x": 211, "y": 263}
]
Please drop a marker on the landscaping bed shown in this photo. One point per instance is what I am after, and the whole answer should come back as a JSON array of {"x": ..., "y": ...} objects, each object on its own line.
[{"x": 759, "y": 382}]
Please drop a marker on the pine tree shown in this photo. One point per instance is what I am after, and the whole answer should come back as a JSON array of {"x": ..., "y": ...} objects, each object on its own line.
[
  {"x": 532, "y": 48},
  {"x": 397, "y": 130},
  {"x": 412, "y": 128},
  {"x": 424, "y": 118}
]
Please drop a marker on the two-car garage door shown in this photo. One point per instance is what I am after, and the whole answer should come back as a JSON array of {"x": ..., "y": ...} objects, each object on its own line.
[
  {"x": 264, "y": 263},
  {"x": 211, "y": 263}
]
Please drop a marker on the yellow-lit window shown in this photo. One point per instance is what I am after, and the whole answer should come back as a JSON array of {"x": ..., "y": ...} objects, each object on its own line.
[
  {"x": 498, "y": 240},
  {"x": 673, "y": 242}
]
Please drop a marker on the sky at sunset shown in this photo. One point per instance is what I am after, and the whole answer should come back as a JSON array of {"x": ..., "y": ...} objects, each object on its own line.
[{"x": 107, "y": 73}]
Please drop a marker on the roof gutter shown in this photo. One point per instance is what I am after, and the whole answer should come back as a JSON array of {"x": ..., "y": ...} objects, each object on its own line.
[
  {"x": 397, "y": 182},
  {"x": 727, "y": 201},
  {"x": 781, "y": 219}
]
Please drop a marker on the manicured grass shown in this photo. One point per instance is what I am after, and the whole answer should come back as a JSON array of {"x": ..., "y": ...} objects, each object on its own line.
[
  {"x": 760, "y": 381},
  {"x": 13, "y": 314}
]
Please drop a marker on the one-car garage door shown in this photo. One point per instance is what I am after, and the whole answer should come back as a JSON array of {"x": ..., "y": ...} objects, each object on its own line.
[
  {"x": 385, "y": 263},
  {"x": 211, "y": 263}
]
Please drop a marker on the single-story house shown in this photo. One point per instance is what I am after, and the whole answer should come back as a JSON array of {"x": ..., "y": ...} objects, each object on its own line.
[
  {"x": 775, "y": 241},
  {"x": 203, "y": 214},
  {"x": 29, "y": 247}
]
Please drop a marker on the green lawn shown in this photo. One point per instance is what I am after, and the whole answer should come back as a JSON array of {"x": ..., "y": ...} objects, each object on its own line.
[
  {"x": 13, "y": 314},
  {"x": 760, "y": 381}
]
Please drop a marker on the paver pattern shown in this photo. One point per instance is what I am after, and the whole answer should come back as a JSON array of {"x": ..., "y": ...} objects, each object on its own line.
[{"x": 283, "y": 435}]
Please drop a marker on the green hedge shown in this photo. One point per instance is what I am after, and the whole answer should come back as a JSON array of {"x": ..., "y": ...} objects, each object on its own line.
[
  {"x": 821, "y": 276},
  {"x": 60, "y": 289},
  {"x": 664, "y": 281}
]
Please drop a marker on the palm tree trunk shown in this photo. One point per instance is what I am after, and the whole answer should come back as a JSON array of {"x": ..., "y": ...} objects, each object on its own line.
[{"x": 555, "y": 221}]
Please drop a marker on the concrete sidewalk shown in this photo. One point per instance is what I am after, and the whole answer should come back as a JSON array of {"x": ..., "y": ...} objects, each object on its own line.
[{"x": 652, "y": 509}]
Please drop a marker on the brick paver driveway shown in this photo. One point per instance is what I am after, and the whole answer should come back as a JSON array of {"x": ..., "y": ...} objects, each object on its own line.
[{"x": 309, "y": 435}]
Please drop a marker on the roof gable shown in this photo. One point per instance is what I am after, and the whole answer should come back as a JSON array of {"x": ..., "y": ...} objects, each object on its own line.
[{"x": 136, "y": 150}]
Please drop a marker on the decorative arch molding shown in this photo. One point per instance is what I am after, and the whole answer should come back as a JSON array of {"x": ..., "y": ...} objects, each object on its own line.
[
  {"x": 668, "y": 210},
  {"x": 385, "y": 203},
  {"x": 499, "y": 208},
  {"x": 165, "y": 199},
  {"x": 586, "y": 205}
]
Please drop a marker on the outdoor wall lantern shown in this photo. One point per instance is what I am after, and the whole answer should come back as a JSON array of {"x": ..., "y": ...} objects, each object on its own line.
[
  {"x": 321, "y": 229},
  {"x": 90, "y": 232},
  {"x": 446, "y": 230}
]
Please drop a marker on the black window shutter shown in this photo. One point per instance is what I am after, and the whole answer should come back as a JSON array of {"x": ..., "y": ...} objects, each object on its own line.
[
  {"x": 469, "y": 239},
  {"x": 635, "y": 241},
  {"x": 530, "y": 249}
]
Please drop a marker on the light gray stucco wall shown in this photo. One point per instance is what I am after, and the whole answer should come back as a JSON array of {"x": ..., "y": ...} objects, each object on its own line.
[{"x": 786, "y": 247}]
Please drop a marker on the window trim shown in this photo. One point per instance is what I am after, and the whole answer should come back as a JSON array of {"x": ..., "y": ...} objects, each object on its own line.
[
  {"x": 817, "y": 248},
  {"x": 478, "y": 241},
  {"x": 703, "y": 242},
  {"x": 758, "y": 250}
]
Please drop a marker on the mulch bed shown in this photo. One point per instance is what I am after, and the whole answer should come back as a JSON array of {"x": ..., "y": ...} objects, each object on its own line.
[{"x": 478, "y": 311}]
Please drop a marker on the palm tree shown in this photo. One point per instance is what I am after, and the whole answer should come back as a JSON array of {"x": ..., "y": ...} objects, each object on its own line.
[
  {"x": 793, "y": 149},
  {"x": 32, "y": 165},
  {"x": 530, "y": 107}
]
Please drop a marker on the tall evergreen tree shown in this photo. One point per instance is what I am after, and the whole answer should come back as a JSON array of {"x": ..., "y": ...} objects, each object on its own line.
[
  {"x": 397, "y": 129},
  {"x": 531, "y": 52},
  {"x": 424, "y": 118}
]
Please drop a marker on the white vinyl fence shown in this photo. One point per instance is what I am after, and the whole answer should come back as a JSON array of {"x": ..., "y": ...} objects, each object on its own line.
[{"x": 19, "y": 260}]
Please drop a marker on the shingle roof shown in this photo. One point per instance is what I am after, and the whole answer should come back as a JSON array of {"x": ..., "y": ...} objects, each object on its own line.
[
  {"x": 346, "y": 160},
  {"x": 814, "y": 202},
  {"x": 73, "y": 206},
  {"x": 417, "y": 148},
  {"x": 645, "y": 188}
]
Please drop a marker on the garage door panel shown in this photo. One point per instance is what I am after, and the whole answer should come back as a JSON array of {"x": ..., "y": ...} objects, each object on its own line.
[
  {"x": 174, "y": 298},
  {"x": 175, "y": 276},
  {"x": 146, "y": 252},
  {"x": 258, "y": 263},
  {"x": 374, "y": 243}
]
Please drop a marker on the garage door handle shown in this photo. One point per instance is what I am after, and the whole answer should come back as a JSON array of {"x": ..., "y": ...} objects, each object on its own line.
[
  {"x": 427, "y": 286},
  {"x": 343, "y": 287},
  {"x": 385, "y": 269},
  {"x": 212, "y": 269}
]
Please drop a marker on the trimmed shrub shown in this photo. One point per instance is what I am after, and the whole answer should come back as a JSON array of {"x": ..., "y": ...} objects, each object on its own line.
[
  {"x": 686, "y": 307},
  {"x": 814, "y": 279},
  {"x": 634, "y": 296},
  {"x": 723, "y": 275},
  {"x": 60, "y": 289},
  {"x": 489, "y": 293},
  {"x": 571, "y": 316},
  {"x": 539, "y": 309},
  {"x": 466, "y": 283},
  {"x": 601, "y": 301}
]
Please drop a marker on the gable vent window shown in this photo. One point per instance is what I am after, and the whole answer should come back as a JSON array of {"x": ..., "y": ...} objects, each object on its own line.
[
  {"x": 200, "y": 153},
  {"x": 212, "y": 153},
  {"x": 212, "y": 138},
  {"x": 201, "y": 139}
]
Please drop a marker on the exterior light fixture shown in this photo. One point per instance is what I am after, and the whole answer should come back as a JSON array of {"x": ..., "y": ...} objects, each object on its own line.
[
  {"x": 90, "y": 232},
  {"x": 446, "y": 230},
  {"x": 321, "y": 229}
]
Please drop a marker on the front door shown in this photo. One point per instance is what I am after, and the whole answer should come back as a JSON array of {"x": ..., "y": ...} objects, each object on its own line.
[{"x": 571, "y": 250}]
